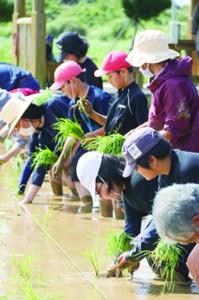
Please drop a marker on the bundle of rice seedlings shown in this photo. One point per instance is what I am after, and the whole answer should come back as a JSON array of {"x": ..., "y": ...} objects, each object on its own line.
[
  {"x": 43, "y": 157},
  {"x": 111, "y": 144},
  {"x": 66, "y": 128},
  {"x": 117, "y": 242},
  {"x": 41, "y": 98},
  {"x": 80, "y": 105},
  {"x": 166, "y": 257}
]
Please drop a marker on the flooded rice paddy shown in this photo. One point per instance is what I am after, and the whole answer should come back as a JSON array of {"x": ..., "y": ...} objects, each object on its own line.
[{"x": 42, "y": 246}]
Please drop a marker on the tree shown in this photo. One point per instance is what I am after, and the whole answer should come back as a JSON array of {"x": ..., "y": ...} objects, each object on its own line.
[
  {"x": 138, "y": 10},
  {"x": 6, "y": 10}
]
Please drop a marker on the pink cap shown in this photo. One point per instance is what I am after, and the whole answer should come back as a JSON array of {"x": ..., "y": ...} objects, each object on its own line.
[
  {"x": 113, "y": 61},
  {"x": 64, "y": 72}
]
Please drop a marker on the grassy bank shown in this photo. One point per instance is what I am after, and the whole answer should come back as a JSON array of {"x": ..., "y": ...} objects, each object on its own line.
[{"x": 102, "y": 22}]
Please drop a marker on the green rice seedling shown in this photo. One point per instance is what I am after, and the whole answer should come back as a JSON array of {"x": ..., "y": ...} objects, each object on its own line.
[
  {"x": 111, "y": 144},
  {"x": 23, "y": 266},
  {"x": 93, "y": 257},
  {"x": 67, "y": 128},
  {"x": 47, "y": 216},
  {"x": 8, "y": 143},
  {"x": 117, "y": 242},
  {"x": 41, "y": 98},
  {"x": 80, "y": 105},
  {"x": 18, "y": 162},
  {"x": 43, "y": 219},
  {"x": 166, "y": 257},
  {"x": 43, "y": 157},
  {"x": 28, "y": 288}
]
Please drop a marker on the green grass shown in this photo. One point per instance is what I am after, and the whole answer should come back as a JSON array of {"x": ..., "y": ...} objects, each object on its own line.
[{"x": 103, "y": 23}]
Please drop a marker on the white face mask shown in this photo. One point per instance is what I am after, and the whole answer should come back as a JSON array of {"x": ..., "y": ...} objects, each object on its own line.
[
  {"x": 146, "y": 72},
  {"x": 26, "y": 131}
]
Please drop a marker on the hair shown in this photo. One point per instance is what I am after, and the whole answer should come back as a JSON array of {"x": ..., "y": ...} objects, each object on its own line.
[
  {"x": 173, "y": 210},
  {"x": 160, "y": 151},
  {"x": 81, "y": 49},
  {"x": 81, "y": 76},
  {"x": 111, "y": 170},
  {"x": 130, "y": 69},
  {"x": 33, "y": 112}
]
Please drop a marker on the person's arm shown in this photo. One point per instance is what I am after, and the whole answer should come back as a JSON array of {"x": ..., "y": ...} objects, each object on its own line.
[
  {"x": 25, "y": 175},
  {"x": 166, "y": 134},
  {"x": 145, "y": 243},
  {"x": 95, "y": 133},
  {"x": 12, "y": 152},
  {"x": 69, "y": 145},
  {"x": 100, "y": 119},
  {"x": 140, "y": 126}
]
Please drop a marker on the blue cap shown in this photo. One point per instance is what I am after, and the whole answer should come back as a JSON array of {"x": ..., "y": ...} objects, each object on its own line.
[{"x": 137, "y": 145}]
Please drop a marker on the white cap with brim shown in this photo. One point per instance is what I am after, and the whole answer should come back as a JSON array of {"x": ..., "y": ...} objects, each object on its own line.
[
  {"x": 87, "y": 170},
  {"x": 14, "y": 109},
  {"x": 150, "y": 46}
]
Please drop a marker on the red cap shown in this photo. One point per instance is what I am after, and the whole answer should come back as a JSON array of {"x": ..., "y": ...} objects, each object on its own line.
[
  {"x": 64, "y": 72},
  {"x": 113, "y": 61}
]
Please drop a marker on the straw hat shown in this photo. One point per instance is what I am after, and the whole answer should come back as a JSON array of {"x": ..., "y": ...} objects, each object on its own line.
[
  {"x": 150, "y": 46},
  {"x": 14, "y": 109}
]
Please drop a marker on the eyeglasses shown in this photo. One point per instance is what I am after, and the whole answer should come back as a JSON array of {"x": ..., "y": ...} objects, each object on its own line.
[{"x": 106, "y": 185}]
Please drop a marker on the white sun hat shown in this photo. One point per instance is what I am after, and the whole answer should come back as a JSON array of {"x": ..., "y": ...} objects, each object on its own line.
[{"x": 150, "y": 46}]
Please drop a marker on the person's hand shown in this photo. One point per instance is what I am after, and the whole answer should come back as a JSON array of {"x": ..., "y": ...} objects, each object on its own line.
[
  {"x": 57, "y": 169},
  {"x": 3, "y": 159},
  {"x": 85, "y": 107},
  {"x": 2, "y": 139},
  {"x": 122, "y": 262},
  {"x": 129, "y": 260}
]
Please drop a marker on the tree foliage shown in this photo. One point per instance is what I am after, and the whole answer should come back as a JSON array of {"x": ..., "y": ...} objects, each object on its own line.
[
  {"x": 144, "y": 9},
  {"x": 6, "y": 10}
]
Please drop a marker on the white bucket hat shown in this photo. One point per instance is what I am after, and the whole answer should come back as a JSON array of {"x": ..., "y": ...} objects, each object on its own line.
[
  {"x": 14, "y": 109},
  {"x": 87, "y": 170},
  {"x": 150, "y": 46}
]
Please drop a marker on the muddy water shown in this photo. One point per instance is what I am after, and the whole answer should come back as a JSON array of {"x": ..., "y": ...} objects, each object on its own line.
[{"x": 53, "y": 236}]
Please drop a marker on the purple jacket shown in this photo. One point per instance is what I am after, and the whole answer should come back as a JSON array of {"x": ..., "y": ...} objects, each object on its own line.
[{"x": 175, "y": 104}]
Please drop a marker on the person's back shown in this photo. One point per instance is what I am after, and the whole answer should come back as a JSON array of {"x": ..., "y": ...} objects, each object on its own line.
[
  {"x": 13, "y": 77},
  {"x": 74, "y": 47},
  {"x": 176, "y": 108}
]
